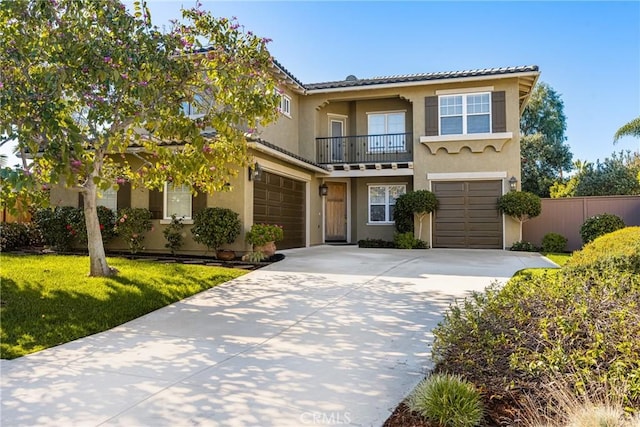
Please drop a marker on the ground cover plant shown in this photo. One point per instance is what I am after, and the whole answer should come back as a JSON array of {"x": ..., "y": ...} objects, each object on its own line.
[
  {"x": 580, "y": 326},
  {"x": 49, "y": 300}
]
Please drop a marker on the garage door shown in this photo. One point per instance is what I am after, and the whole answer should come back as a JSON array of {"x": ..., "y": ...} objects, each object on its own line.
[
  {"x": 280, "y": 200},
  {"x": 467, "y": 216}
]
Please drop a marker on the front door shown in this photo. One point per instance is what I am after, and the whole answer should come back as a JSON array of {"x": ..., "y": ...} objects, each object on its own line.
[{"x": 336, "y": 212}]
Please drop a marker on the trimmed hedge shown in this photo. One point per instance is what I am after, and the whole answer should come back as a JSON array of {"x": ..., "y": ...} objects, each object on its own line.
[
  {"x": 600, "y": 225},
  {"x": 17, "y": 236},
  {"x": 613, "y": 253},
  {"x": 554, "y": 242}
]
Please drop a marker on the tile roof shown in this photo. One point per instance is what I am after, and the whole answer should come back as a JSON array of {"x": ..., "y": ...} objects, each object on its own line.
[
  {"x": 288, "y": 153},
  {"x": 420, "y": 77}
]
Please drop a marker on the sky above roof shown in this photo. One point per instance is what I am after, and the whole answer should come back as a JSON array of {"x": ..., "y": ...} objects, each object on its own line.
[{"x": 589, "y": 52}]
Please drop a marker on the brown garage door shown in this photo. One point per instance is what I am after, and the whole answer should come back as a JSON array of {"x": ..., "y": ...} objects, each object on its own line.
[
  {"x": 467, "y": 216},
  {"x": 280, "y": 200}
]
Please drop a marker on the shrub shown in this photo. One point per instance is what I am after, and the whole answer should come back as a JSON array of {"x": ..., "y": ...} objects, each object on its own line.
[
  {"x": 523, "y": 246},
  {"x": 612, "y": 254},
  {"x": 447, "y": 400},
  {"x": 375, "y": 243},
  {"x": 131, "y": 226},
  {"x": 14, "y": 236},
  {"x": 554, "y": 242},
  {"x": 214, "y": 227},
  {"x": 261, "y": 234},
  {"x": 599, "y": 225},
  {"x": 59, "y": 226},
  {"x": 583, "y": 328},
  {"x": 173, "y": 234},
  {"x": 520, "y": 205},
  {"x": 408, "y": 241},
  {"x": 107, "y": 220}
]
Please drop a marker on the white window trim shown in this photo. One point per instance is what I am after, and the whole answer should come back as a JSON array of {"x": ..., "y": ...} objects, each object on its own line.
[
  {"x": 285, "y": 104},
  {"x": 389, "y": 221},
  {"x": 166, "y": 219},
  {"x": 386, "y": 148},
  {"x": 465, "y": 115}
]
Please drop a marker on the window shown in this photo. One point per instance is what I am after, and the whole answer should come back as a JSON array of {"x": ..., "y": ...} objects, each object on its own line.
[
  {"x": 285, "y": 105},
  {"x": 177, "y": 200},
  {"x": 191, "y": 108},
  {"x": 386, "y": 132},
  {"x": 382, "y": 200},
  {"x": 108, "y": 199},
  {"x": 465, "y": 114}
]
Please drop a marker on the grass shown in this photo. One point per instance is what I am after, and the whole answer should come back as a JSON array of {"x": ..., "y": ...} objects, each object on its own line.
[
  {"x": 49, "y": 300},
  {"x": 559, "y": 258}
]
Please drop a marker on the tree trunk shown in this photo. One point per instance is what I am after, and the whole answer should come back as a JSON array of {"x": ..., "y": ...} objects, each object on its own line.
[
  {"x": 97, "y": 256},
  {"x": 521, "y": 222},
  {"x": 420, "y": 218}
]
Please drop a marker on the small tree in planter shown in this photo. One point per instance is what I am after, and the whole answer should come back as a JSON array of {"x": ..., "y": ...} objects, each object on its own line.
[
  {"x": 173, "y": 234},
  {"x": 214, "y": 227},
  {"x": 264, "y": 236},
  {"x": 521, "y": 206},
  {"x": 420, "y": 203}
]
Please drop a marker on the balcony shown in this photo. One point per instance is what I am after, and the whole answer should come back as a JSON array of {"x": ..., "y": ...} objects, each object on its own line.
[{"x": 364, "y": 149}]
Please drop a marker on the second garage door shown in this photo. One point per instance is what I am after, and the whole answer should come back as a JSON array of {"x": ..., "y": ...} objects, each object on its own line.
[
  {"x": 467, "y": 215},
  {"x": 281, "y": 200}
]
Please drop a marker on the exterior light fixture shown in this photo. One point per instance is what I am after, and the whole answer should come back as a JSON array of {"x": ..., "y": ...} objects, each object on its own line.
[
  {"x": 255, "y": 172},
  {"x": 324, "y": 189},
  {"x": 513, "y": 183}
]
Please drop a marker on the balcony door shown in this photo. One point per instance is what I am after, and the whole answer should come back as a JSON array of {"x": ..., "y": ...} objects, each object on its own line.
[{"x": 337, "y": 143}]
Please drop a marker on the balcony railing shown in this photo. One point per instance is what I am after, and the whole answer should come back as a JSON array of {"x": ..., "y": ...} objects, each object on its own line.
[{"x": 394, "y": 147}]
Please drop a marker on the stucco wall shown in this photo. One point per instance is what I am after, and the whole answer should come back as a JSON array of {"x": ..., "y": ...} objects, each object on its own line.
[{"x": 284, "y": 132}]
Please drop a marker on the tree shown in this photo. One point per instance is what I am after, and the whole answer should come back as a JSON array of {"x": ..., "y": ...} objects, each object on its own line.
[
  {"x": 630, "y": 129},
  {"x": 520, "y": 205},
  {"x": 86, "y": 83},
  {"x": 616, "y": 175},
  {"x": 420, "y": 203},
  {"x": 545, "y": 156}
]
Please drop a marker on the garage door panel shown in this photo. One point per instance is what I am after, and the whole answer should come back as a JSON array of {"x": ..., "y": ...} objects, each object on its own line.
[
  {"x": 281, "y": 200},
  {"x": 467, "y": 215}
]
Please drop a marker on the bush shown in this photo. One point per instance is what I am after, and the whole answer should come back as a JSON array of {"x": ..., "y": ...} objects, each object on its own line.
[
  {"x": 447, "y": 400},
  {"x": 375, "y": 243},
  {"x": 582, "y": 328},
  {"x": 523, "y": 247},
  {"x": 214, "y": 227},
  {"x": 521, "y": 205},
  {"x": 612, "y": 254},
  {"x": 418, "y": 202},
  {"x": 173, "y": 234},
  {"x": 59, "y": 226},
  {"x": 408, "y": 241},
  {"x": 261, "y": 234},
  {"x": 132, "y": 225},
  {"x": 554, "y": 242},
  {"x": 107, "y": 220},
  {"x": 17, "y": 236},
  {"x": 599, "y": 225}
]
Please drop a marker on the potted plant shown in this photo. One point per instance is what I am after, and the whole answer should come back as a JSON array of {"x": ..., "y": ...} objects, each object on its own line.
[
  {"x": 214, "y": 227},
  {"x": 263, "y": 238}
]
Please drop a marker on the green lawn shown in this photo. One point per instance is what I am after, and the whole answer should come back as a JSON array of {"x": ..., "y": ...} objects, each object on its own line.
[
  {"x": 49, "y": 300},
  {"x": 558, "y": 258}
]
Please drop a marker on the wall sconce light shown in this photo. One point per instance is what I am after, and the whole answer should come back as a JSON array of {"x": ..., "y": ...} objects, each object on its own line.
[
  {"x": 513, "y": 183},
  {"x": 255, "y": 172},
  {"x": 324, "y": 189}
]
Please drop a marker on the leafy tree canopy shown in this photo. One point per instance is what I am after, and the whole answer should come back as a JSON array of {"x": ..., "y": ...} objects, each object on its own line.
[
  {"x": 545, "y": 155},
  {"x": 630, "y": 129},
  {"x": 84, "y": 83}
]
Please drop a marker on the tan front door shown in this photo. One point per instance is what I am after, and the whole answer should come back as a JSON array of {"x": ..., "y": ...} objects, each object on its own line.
[{"x": 336, "y": 210}]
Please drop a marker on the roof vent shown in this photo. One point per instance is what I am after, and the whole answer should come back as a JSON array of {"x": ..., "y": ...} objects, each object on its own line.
[{"x": 351, "y": 78}]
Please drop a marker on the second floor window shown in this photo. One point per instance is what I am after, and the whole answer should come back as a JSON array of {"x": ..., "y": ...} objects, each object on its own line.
[
  {"x": 385, "y": 132},
  {"x": 465, "y": 114},
  {"x": 285, "y": 105}
]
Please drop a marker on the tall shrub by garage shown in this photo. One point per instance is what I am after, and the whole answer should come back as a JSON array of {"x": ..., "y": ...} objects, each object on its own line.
[
  {"x": 521, "y": 206},
  {"x": 214, "y": 227},
  {"x": 414, "y": 203}
]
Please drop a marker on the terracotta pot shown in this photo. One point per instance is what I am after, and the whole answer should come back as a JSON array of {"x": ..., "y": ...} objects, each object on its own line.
[
  {"x": 225, "y": 255},
  {"x": 269, "y": 249}
]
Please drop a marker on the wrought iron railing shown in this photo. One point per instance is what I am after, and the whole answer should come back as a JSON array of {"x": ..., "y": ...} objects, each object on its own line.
[{"x": 394, "y": 147}]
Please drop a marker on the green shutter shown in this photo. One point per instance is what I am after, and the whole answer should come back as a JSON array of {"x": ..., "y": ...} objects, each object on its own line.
[
  {"x": 156, "y": 202},
  {"x": 498, "y": 112},
  {"x": 431, "y": 115},
  {"x": 124, "y": 196}
]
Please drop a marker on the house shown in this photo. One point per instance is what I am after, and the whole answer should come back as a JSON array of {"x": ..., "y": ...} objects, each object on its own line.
[{"x": 331, "y": 167}]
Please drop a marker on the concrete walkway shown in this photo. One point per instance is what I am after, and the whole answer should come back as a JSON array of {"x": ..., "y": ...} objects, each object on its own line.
[{"x": 329, "y": 336}]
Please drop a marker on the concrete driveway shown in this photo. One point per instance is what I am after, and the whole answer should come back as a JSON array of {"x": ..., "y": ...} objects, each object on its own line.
[{"x": 329, "y": 336}]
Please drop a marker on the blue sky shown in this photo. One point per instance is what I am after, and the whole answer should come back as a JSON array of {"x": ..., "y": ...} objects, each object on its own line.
[{"x": 589, "y": 52}]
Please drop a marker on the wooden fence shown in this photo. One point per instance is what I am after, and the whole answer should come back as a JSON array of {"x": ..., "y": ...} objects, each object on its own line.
[{"x": 566, "y": 216}]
